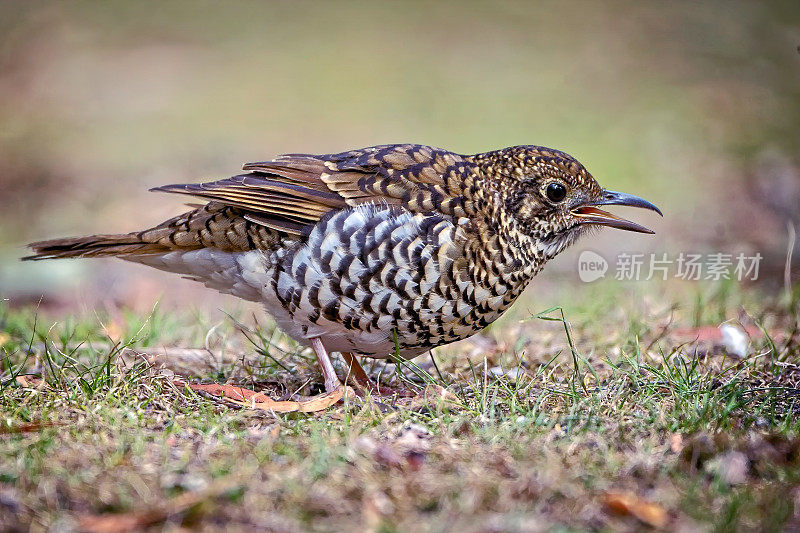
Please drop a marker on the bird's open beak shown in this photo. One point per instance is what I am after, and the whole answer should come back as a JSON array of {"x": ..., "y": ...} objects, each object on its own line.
[{"x": 589, "y": 214}]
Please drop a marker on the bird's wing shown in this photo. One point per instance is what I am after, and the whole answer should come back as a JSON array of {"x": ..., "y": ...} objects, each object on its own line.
[{"x": 294, "y": 191}]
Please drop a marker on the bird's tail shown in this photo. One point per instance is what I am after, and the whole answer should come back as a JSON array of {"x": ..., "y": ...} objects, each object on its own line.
[
  {"x": 176, "y": 233},
  {"x": 202, "y": 245},
  {"x": 207, "y": 226},
  {"x": 129, "y": 244}
]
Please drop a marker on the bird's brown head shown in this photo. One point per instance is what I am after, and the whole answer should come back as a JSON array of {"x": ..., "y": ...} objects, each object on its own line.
[{"x": 552, "y": 198}]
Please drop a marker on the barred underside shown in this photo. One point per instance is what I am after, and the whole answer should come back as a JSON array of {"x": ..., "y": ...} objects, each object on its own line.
[{"x": 375, "y": 278}]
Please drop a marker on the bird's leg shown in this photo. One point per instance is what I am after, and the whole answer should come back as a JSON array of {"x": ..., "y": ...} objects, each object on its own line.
[
  {"x": 362, "y": 380},
  {"x": 357, "y": 372},
  {"x": 331, "y": 379},
  {"x": 334, "y": 390}
]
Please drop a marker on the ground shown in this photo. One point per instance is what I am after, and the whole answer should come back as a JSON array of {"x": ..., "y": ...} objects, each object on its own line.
[{"x": 607, "y": 414}]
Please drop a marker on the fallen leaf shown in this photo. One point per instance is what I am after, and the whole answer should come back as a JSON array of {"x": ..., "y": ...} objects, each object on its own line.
[
  {"x": 629, "y": 504},
  {"x": 258, "y": 400}
]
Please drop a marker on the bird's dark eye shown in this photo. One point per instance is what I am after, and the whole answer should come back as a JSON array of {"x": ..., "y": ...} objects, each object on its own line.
[{"x": 556, "y": 192}]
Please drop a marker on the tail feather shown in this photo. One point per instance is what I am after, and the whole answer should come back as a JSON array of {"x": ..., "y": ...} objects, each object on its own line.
[
  {"x": 209, "y": 226},
  {"x": 94, "y": 246}
]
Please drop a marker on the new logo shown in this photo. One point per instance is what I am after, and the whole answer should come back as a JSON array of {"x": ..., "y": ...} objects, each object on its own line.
[{"x": 591, "y": 266}]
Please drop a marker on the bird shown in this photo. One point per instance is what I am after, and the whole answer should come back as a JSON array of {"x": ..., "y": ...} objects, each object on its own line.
[{"x": 384, "y": 251}]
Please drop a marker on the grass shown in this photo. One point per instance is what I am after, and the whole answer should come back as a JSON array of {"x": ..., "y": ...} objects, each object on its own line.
[{"x": 603, "y": 424}]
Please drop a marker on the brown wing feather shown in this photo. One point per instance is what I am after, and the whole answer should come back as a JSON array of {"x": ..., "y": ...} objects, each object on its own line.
[{"x": 296, "y": 190}]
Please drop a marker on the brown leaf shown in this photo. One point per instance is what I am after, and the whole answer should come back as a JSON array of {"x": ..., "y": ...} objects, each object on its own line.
[
  {"x": 258, "y": 400},
  {"x": 629, "y": 504}
]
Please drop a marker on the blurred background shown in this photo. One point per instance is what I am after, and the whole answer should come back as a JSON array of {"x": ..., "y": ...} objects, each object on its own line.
[{"x": 694, "y": 106}]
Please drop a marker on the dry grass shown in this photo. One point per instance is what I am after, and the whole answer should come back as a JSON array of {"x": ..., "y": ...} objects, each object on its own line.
[{"x": 648, "y": 429}]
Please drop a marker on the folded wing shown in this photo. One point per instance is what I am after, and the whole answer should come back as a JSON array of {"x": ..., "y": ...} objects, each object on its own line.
[{"x": 293, "y": 191}]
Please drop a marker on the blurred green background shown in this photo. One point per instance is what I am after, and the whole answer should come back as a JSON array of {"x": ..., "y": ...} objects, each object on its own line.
[{"x": 695, "y": 106}]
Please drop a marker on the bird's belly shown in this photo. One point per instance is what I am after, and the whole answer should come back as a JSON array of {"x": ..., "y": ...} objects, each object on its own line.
[
  {"x": 375, "y": 281},
  {"x": 377, "y": 335}
]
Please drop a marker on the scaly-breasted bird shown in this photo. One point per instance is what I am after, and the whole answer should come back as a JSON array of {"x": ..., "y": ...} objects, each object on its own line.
[{"x": 365, "y": 252}]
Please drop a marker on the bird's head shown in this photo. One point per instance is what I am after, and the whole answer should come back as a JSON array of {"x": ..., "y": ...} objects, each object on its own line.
[{"x": 553, "y": 199}]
